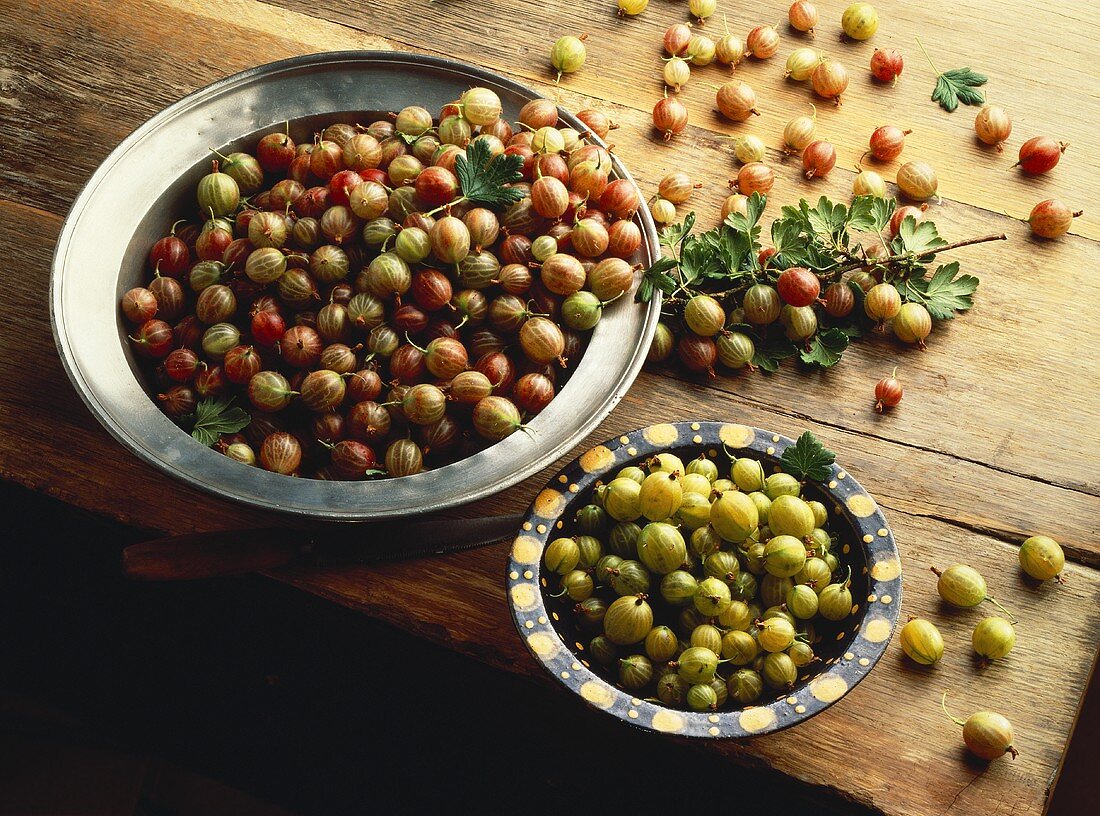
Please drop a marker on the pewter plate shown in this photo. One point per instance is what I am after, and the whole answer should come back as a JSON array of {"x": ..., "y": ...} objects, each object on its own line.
[{"x": 129, "y": 201}]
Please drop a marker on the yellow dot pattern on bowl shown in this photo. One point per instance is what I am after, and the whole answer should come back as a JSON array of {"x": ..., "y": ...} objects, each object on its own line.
[
  {"x": 886, "y": 570},
  {"x": 598, "y": 695},
  {"x": 863, "y": 661},
  {"x": 563, "y": 478},
  {"x": 513, "y": 575},
  {"x": 624, "y": 439},
  {"x": 736, "y": 436},
  {"x": 633, "y": 451},
  {"x": 800, "y": 709},
  {"x": 664, "y": 434},
  {"x": 832, "y": 484},
  {"x": 528, "y": 574},
  {"x": 848, "y": 655},
  {"x": 862, "y": 505},
  {"x": 771, "y": 450},
  {"x": 698, "y": 440},
  {"x": 668, "y": 721},
  {"x": 695, "y": 426},
  {"x": 792, "y": 700},
  {"x": 886, "y": 599},
  {"x": 756, "y": 719},
  {"x": 883, "y": 532},
  {"x": 543, "y": 644},
  {"x": 598, "y": 458},
  {"x": 828, "y": 688},
  {"x": 529, "y": 624},
  {"x": 549, "y": 503},
  {"x": 714, "y": 718},
  {"x": 526, "y": 550},
  {"x": 632, "y": 714},
  {"x": 527, "y": 526},
  {"x": 867, "y": 539},
  {"x": 876, "y": 630},
  {"x": 714, "y": 731},
  {"x": 524, "y": 597},
  {"x": 543, "y": 620}
]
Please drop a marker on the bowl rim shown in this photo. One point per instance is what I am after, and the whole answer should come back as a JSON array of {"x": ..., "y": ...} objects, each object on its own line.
[
  {"x": 162, "y": 444},
  {"x": 532, "y": 619}
]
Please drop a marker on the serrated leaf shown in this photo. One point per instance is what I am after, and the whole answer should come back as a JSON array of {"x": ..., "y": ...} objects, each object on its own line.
[
  {"x": 674, "y": 234},
  {"x": 870, "y": 213},
  {"x": 959, "y": 85},
  {"x": 655, "y": 278},
  {"x": 918, "y": 239},
  {"x": 214, "y": 417},
  {"x": 482, "y": 176},
  {"x": 771, "y": 351},
  {"x": 697, "y": 261},
  {"x": 826, "y": 348},
  {"x": 807, "y": 458},
  {"x": 826, "y": 216},
  {"x": 943, "y": 294},
  {"x": 788, "y": 240}
]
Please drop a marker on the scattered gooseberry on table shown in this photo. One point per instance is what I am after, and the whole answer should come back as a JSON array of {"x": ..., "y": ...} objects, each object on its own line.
[
  {"x": 1040, "y": 154},
  {"x": 818, "y": 159},
  {"x": 987, "y": 734},
  {"x": 887, "y": 65},
  {"x": 568, "y": 54},
  {"x": 762, "y": 42},
  {"x": 1051, "y": 218},
  {"x": 802, "y": 16},
  {"x": 801, "y": 64},
  {"x": 888, "y": 392},
  {"x": 1042, "y": 558},
  {"x": 829, "y": 80},
  {"x": 917, "y": 180},
  {"x": 887, "y": 142},
  {"x": 859, "y": 21},
  {"x": 993, "y": 126},
  {"x": 670, "y": 117}
]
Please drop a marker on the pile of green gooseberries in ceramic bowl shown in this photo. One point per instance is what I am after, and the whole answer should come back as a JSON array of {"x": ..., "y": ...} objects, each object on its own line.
[{"x": 702, "y": 589}]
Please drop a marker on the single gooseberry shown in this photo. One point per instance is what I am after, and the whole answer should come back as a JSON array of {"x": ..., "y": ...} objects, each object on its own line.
[
  {"x": 755, "y": 177},
  {"x": 677, "y": 72},
  {"x": 993, "y": 638},
  {"x": 801, "y": 64},
  {"x": 736, "y": 101},
  {"x": 568, "y": 54},
  {"x": 662, "y": 210},
  {"x": 404, "y": 458},
  {"x": 987, "y": 734},
  {"x": 993, "y": 126},
  {"x": 912, "y": 323},
  {"x": 830, "y": 80},
  {"x": 882, "y": 302},
  {"x": 697, "y": 353},
  {"x": 701, "y": 50},
  {"x": 906, "y": 211},
  {"x": 921, "y": 641},
  {"x": 628, "y": 620},
  {"x": 281, "y": 453},
  {"x": 1051, "y": 218},
  {"x": 702, "y": 9},
  {"x": 1040, "y": 154},
  {"x": 1042, "y": 558},
  {"x": 964, "y": 587},
  {"x": 762, "y": 42},
  {"x": 677, "y": 187},
  {"x": 868, "y": 182},
  {"x": 798, "y": 286},
  {"x": 818, "y": 159},
  {"x": 887, "y": 64},
  {"x": 859, "y": 21},
  {"x": 917, "y": 180},
  {"x": 596, "y": 121},
  {"x": 676, "y": 39},
  {"x": 888, "y": 392},
  {"x": 803, "y": 16},
  {"x": 887, "y": 142}
]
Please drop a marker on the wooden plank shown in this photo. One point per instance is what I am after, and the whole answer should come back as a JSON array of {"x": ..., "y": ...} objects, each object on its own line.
[
  {"x": 624, "y": 66},
  {"x": 981, "y": 371}
]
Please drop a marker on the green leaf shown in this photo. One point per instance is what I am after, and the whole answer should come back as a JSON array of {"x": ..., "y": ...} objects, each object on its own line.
[
  {"x": 482, "y": 176},
  {"x": 827, "y": 216},
  {"x": 673, "y": 235},
  {"x": 943, "y": 294},
  {"x": 789, "y": 241},
  {"x": 655, "y": 278},
  {"x": 870, "y": 213},
  {"x": 918, "y": 239},
  {"x": 807, "y": 458},
  {"x": 214, "y": 417},
  {"x": 953, "y": 87},
  {"x": 826, "y": 348},
  {"x": 771, "y": 351}
]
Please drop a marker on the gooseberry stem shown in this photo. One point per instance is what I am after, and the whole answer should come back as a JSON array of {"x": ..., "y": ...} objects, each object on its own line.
[
  {"x": 997, "y": 604},
  {"x": 943, "y": 705},
  {"x": 927, "y": 56}
]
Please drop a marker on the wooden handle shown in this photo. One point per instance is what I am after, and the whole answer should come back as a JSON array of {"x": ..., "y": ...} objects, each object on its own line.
[{"x": 209, "y": 555}]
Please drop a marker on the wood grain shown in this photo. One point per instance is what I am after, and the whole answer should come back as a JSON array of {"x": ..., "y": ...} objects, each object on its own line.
[{"x": 994, "y": 441}]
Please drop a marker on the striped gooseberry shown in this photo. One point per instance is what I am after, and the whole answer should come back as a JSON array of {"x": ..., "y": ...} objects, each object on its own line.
[
  {"x": 1051, "y": 218},
  {"x": 1040, "y": 154},
  {"x": 917, "y": 180},
  {"x": 762, "y": 42},
  {"x": 887, "y": 64},
  {"x": 755, "y": 177},
  {"x": 912, "y": 323},
  {"x": 888, "y": 392},
  {"x": 993, "y": 126},
  {"x": 818, "y": 159},
  {"x": 697, "y": 353},
  {"x": 736, "y": 101},
  {"x": 798, "y": 286},
  {"x": 802, "y": 16},
  {"x": 495, "y": 418},
  {"x": 829, "y": 80},
  {"x": 670, "y": 117}
]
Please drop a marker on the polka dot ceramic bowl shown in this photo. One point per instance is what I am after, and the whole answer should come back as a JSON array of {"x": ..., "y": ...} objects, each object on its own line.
[{"x": 848, "y": 649}]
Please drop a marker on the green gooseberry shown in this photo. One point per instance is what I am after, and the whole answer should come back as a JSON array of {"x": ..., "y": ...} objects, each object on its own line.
[
  {"x": 712, "y": 598},
  {"x": 635, "y": 672},
  {"x": 660, "y": 495},
  {"x": 784, "y": 555},
  {"x": 762, "y": 502},
  {"x": 622, "y": 499},
  {"x": 697, "y": 664},
  {"x": 734, "y": 516},
  {"x": 591, "y": 520},
  {"x": 779, "y": 671},
  {"x": 921, "y": 641},
  {"x": 740, "y": 648},
  {"x": 689, "y": 618},
  {"x": 562, "y": 555},
  {"x": 1042, "y": 558},
  {"x": 591, "y": 551},
  {"x": 820, "y": 541},
  {"x": 821, "y": 515},
  {"x": 661, "y": 547},
  {"x": 707, "y": 635},
  {"x": 964, "y": 587},
  {"x": 835, "y": 601},
  {"x": 702, "y": 698},
  {"x": 744, "y": 588},
  {"x": 720, "y": 692},
  {"x": 802, "y": 601},
  {"x": 661, "y": 644},
  {"x": 802, "y": 654},
  {"x": 696, "y": 483},
  {"x": 993, "y": 638},
  {"x": 722, "y": 565},
  {"x": 603, "y": 651},
  {"x": 577, "y": 584},
  {"x": 581, "y": 310},
  {"x": 987, "y": 734},
  {"x": 704, "y": 467},
  {"x": 668, "y": 462},
  {"x": 747, "y": 474},
  {"x": 754, "y": 559},
  {"x": 775, "y": 634},
  {"x": 722, "y": 485},
  {"x": 815, "y": 574},
  {"x": 679, "y": 587},
  {"x": 632, "y": 472},
  {"x": 781, "y": 484},
  {"x": 779, "y": 611},
  {"x": 623, "y": 540},
  {"x": 704, "y": 541},
  {"x": 831, "y": 561},
  {"x": 790, "y": 516},
  {"x": 694, "y": 511},
  {"x": 672, "y": 689},
  {"x": 629, "y": 578},
  {"x": 604, "y": 567},
  {"x": 758, "y": 663},
  {"x": 738, "y": 616},
  {"x": 628, "y": 620},
  {"x": 745, "y": 686},
  {"x": 591, "y": 611},
  {"x": 773, "y": 589}
]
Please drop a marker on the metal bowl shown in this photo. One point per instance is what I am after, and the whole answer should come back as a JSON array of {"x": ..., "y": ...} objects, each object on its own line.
[
  {"x": 129, "y": 202},
  {"x": 848, "y": 649}
]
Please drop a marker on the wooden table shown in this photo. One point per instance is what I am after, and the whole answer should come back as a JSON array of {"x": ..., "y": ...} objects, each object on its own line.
[{"x": 997, "y": 437}]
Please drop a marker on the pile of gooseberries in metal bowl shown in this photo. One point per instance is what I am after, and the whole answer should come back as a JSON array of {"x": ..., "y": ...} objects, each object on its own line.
[
  {"x": 392, "y": 286},
  {"x": 680, "y": 578}
]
